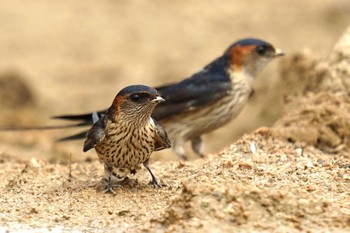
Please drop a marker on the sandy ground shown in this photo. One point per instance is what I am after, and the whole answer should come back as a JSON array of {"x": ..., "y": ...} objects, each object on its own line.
[
  {"x": 277, "y": 188},
  {"x": 282, "y": 166}
]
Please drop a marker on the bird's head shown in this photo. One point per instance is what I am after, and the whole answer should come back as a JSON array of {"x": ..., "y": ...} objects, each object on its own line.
[
  {"x": 135, "y": 103},
  {"x": 250, "y": 55}
]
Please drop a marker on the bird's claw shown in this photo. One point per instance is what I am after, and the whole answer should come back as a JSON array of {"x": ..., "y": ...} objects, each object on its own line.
[
  {"x": 109, "y": 189},
  {"x": 155, "y": 183},
  {"x": 184, "y": 157}
]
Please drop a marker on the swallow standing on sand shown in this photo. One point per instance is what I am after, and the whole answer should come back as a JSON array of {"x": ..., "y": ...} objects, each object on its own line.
[{"x": 125, "y": 136}]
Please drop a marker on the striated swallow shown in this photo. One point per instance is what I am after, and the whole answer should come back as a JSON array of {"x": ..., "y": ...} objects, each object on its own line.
[{"x": 125, "y": 135}]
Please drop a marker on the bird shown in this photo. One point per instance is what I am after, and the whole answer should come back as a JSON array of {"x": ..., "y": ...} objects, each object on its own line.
[
  {"x": 125, "y": 135},
  {"x": 208, "y": 99}
]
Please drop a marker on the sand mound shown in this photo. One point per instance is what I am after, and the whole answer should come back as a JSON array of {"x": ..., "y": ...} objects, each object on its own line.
[{"x": 320, "y": 120}]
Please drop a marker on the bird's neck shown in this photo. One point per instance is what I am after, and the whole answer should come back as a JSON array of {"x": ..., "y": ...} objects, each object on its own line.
[
  {"x": 136, "y": 120},
  {"x": 241, "y": 78}
]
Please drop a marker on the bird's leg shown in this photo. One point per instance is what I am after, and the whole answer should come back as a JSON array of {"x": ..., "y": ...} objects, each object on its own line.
[
  {"x": 108, "y": 175},
  {"x": 109, "y": 188},
  {"x": 154, "y": 181},
  {"x": 198, "y": 146},
  {"x": 180, "y": 151}
]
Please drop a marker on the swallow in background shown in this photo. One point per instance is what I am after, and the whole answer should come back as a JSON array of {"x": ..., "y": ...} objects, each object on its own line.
[
  {"x": 209, "y": 98},
  {"x": 125, "y": 136}
]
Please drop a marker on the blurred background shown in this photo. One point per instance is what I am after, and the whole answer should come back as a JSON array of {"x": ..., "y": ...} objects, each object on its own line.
[{"x": 73, "y": 56}]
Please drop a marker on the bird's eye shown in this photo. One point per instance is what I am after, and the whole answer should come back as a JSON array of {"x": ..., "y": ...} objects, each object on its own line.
[
  {"x": 140, "y": 97},
  {"x": 262, "y": 49},
  {"x": 135, "y": 97}
]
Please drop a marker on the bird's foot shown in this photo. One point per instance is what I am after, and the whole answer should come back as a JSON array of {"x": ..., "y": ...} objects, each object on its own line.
[
  {"x": 109, "y": 188},
  {"x": 180, "y": 151},
  {"x": 198, "y": 146},
  {"x": 154, "y": 182},
  {"x": 113, "y": 183}
]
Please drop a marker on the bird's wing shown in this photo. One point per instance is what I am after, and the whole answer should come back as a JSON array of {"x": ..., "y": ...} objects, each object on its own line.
[
  {"x": 200, "y": 89},
  {"x": 162, "y": 140},
  {"x": 95, "y": 135}
]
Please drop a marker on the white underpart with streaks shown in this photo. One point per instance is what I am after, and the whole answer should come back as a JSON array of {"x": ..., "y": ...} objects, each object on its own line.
[{"x": 126, "y": 147}]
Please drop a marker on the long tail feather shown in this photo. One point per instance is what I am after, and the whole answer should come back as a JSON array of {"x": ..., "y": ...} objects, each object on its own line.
[
  {"x": 50, "y": 127},
  {"x": 77, "y": 136},
  {"x": 86, "y": 117}
]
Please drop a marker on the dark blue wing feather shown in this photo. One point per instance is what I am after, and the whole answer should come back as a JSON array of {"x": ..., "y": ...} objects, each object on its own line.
[{"x": 95, "y": 135}]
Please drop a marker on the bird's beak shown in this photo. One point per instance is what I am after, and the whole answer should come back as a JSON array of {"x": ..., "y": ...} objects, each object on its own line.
[
  {"x": 157, "y": 100},
  {"x": 278, "y": 53}
]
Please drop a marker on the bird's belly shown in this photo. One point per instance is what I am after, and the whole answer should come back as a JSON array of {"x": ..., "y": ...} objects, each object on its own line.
[
  {"x": 187, "y": 126},
  {"x": 125, "y": 152}
]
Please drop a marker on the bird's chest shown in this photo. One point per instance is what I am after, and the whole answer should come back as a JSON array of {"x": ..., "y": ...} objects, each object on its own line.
[
  {"x": 126, "y": 146},
  {"x": 221, "y": 111},
  {"x": 228, "y": 107}
]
